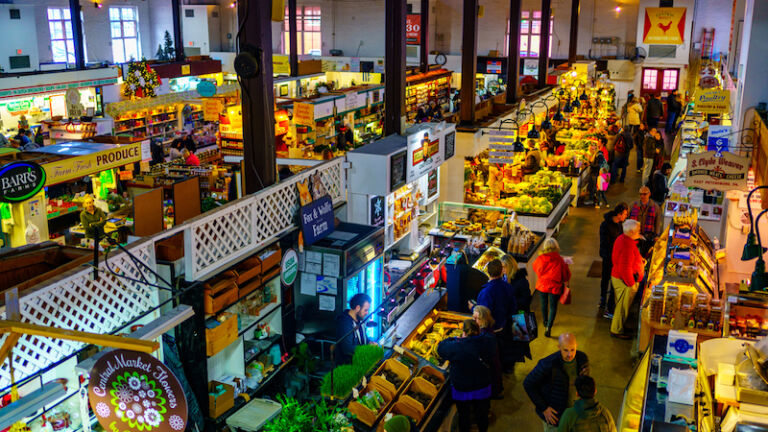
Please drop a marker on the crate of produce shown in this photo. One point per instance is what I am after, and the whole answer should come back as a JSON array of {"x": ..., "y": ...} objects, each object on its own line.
[
  {"x": 436, "y": 327},
  {"x": 219, "y": 292},
  {"x": 394, "y": 374},
  {"x": 409, "y": 360},
  {"x": 420, "y": 395},
  {"x": 402, "y": 408},
  {"x": 433, "y": 377},
  {"x": 221, "y": 336},
  {"x": 372, "y": 403}
]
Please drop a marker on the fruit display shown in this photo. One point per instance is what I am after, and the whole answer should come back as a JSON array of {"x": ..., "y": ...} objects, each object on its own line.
[
  {"x": 436, "y": 327},
  {"x": 370, "y": 405}
]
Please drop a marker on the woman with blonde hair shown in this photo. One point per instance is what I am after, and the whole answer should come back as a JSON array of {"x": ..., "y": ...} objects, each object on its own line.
[
  {"x": 484, "y": 319},
  {"x": 515, "y": 351},
  {"x": 552, "y": 275}
]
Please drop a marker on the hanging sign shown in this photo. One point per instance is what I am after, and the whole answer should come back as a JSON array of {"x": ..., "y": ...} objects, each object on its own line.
[
  {"x": 413, "y": 29},
  {"x": 20, "y": 181},
  {"x": 717, "y": 138},
  {"x": 133, "y": 391},
  {"x": 425, "y": 153},
  {"x": 212, "y": 108},
  {"x": 280, "y": 64},
  {"x": 708, "y": 171},
  {"x": 377, "y": 210},
  {"x": 206, "y": 88},
  {"x": 303, "y": 114},
  {"x": 531, "y": 67},
  {"x": 712, "y": 101},
  {"x": 289, "y": 267},
  {"x": 664, "y": 26},
  {"x": 316, "y": 219},
  {"x": 77, "y": 167}
]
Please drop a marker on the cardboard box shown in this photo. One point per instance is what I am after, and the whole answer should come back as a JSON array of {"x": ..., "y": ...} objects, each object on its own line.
[{"x": 218, "y": 405}]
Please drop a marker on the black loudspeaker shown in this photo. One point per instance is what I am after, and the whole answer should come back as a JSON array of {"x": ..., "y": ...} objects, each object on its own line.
[{"x": 247, "y": 63}]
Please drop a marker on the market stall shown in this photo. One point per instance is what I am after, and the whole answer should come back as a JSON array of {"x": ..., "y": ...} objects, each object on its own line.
[{"x": 423, "y": 89}]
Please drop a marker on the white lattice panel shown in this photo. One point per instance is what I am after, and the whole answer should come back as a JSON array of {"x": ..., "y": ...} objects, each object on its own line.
[
  {"x": 225, "y": 235},
  {"x": 78, "y": 302}
]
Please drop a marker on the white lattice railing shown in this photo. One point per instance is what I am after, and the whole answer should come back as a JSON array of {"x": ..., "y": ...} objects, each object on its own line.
[
  {"x": 219, "y": 238},
  {"x": 78, "y": 302}
]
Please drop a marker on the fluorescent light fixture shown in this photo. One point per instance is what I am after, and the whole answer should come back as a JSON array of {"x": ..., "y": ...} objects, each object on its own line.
[{"x": 31, "y": 403}]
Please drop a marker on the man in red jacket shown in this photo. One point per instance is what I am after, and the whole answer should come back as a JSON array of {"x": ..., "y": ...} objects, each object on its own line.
[{"x": 626, "y": 274}]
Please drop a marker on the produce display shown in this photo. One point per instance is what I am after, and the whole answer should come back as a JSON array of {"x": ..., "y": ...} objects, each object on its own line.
[
  {"x": 340, "y": 381},
  {"x": 433, "y": 330},
  {"x": 538, "y": 194},
  {"x": 372, "y": 400},
  {"x": 521, "y": 239}
]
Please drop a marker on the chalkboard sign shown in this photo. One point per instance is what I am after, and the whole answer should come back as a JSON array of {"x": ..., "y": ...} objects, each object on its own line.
[
  {"x": 397, "y": 170},
  {"x": 377, "y": 211}
]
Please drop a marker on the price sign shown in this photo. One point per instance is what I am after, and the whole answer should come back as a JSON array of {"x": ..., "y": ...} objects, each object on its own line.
[{"x": 413, "y": 29}]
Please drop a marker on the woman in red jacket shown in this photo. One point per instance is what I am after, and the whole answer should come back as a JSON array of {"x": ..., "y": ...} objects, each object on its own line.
[
  {"x": 626, "y": 274},
  {"x": 553, "y": 275}
]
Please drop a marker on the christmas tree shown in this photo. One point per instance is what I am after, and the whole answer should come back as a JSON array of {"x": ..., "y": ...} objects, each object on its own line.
[
  {"x": 170, "y": 50},
  {"x": 160, "y": 53},
  {"x": 140, "y": 80}
]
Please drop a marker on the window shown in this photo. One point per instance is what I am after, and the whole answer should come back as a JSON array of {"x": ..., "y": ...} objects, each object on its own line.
[
  {"x": 62, "y": 43},
  {"x": 530, "y": 29},
  {"x": 308, "y": 31},
  {"x": 669, "y": 80},
  {"x": 124, "y": 27},
  {"x": 650, "y": 79}
]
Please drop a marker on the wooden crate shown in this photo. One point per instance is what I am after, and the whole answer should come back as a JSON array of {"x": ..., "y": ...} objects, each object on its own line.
[
  {"x": 402, "y": 408},
  {"x": 223, "y": 403},
  {"x": 220, "y": 292},
  {"x": 429, "y": 370},
  {"x": 270, "y": 261},
  {"x": 366, "y": 415},
  {"x": 170, "y": 249},
  {"x": 220, "y": 337},
  {"x": 398, "y": 369},
  {"x": 423, "y": 386},
  {"x": 249, "y": 287},
  {"x": 248, "y": 269}
]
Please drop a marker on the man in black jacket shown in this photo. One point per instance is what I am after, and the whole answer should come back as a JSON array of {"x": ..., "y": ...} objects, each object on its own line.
[
  {"x": 610, "y": 230},
  {"x": 659, "y": 188},
  {"x": 653, "y": 112},
  {"x": 674, "y": 107},
  {"x": 550, "y": 385},
  {"x": 350, "y": 330}
]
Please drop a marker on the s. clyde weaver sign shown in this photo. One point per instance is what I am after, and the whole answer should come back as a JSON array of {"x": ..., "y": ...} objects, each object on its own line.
[{"x": 725, "y": 172}]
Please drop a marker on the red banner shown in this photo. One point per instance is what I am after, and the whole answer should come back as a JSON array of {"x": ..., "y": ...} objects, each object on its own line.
[{"x": 413, "y": 29}]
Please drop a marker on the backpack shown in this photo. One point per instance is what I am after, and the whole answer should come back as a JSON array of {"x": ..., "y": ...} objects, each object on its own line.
[{"x": 621, "y": 145}]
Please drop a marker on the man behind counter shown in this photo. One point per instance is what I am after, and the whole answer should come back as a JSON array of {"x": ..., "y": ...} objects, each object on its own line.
[
  {"x": 350, "y": 330},
  {"x": 92, "y": 218}
]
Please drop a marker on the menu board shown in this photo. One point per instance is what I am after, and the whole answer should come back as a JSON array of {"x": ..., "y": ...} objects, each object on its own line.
[{"x": 397, "y": 170}]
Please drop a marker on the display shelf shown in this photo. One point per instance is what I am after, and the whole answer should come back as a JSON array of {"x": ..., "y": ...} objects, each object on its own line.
[
  {"x": 269, "y": 343},
  {"x": 267, "y": 311}
]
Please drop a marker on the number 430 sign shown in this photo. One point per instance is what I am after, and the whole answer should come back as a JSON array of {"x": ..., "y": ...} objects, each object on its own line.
[{"x": 413, "y": 29}]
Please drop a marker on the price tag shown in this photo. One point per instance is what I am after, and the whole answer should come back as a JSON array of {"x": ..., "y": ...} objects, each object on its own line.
[
  {"x": 355, "y": 393},
  {"x": 733, "y": 299},
  {"x": 365, "y": 382},
  {"x": 398, "y": 349}
]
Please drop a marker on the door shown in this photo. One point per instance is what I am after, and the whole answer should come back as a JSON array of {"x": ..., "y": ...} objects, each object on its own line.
[{"x": 659, "y": 81}]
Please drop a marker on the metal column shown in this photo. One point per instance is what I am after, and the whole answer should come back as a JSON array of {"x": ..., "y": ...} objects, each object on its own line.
[
  {"x": 77, "y": 33},
  {"x": 573, "y": 40},
  {"x": 259, "y": 168},
  {"x": 293, "y": 39},
  {"x": 424, "y": 50},
  {"x": 546, "y": 13},
  {"x": 468, "y": 62},
  {"x": 394, "y": 66},
  {"x": 513, "y": 51},
  {"x": 178, "y": 44}
]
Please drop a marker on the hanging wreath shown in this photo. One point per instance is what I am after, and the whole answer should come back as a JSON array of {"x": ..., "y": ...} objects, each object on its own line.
[{"x": 140, "y": 81}]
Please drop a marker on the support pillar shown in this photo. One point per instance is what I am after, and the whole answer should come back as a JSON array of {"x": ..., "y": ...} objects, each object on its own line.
[
  {"x": 513, "y": 52},
  {"x": 178, "y": 44},
  {"x": 259, "y": 167},
  {"x": 573, "y": 40},
  {"x": 424, "y": 50},
  {"x": 546, "y": 12},
  {"x": 394, "y": 66},
  {"x": 468, "y": 62},
  {"x": 77, "y": 33},
  {"x": 293, "y": 39}
]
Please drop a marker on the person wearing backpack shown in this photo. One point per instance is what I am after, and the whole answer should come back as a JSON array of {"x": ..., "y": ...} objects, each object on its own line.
[
  {"x": 586, "y": 414},
  {"x": 621, "y": 155}
]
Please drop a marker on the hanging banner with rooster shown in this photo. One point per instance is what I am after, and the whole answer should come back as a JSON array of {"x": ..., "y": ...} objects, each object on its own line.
[
  {"x": 664, "y": 26},
  {"x": 710, "y": 170}
]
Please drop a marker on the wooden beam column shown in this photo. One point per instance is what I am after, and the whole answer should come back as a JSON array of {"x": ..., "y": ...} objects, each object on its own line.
[
  {"x": 259, "y": 165},
  {"x": 424, "y": 50},
  {"x": 546, "y": 12},
  {"x": 293, "y": 38},
  {"x": 468, "y": 62},
  {"x": 77, "y": 33},
  {"x": 178, "y": 44},
  {"x": 394, "y": 66},
  {"x": 573, "y": 40},
  {"x": 513, "y": 51}
]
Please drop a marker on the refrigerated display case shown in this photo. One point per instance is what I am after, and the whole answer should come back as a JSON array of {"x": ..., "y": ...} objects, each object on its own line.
[{"x": 369, "y": 280}]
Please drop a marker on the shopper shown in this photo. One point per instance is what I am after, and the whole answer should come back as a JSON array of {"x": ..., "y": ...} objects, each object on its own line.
[
  {"x": 493, "y": 295},
  {"x": 652, "y": 145},
  {"x": 653, "y": 112},
  {"x": 610, "y": 230},
  {"x": 470, "y": 374},
  {"x": 586, "y": 414},
  {"x": 674, "y": 107},
  {"x": 550, "y": 385},
  {"x": 626, "y": 274},
  {"x": 189, "y": 157},
  {"x": 638, "y": 138},
  {"x": 350, "y": 328},
  {"x": 650, "y": 217},
  {"x": 603, "y": 180},
  {"x": 634, "y": 113},
  {"x": 483, "y": 318},
  {"x": 621, "y": 149},
  {"x": 552, "y": 275},
  {"x": 659, "y": 188},
  {"x": 532, "y": 163},
  {"x": 189, "y": 143},
  {"x": 516, "y": 351},
  {"x": 174, "y": 152},
  {"x": 597, "y": 160}
]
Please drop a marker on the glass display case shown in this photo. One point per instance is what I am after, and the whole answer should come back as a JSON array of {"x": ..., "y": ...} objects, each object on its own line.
[
  {"x": 747, "y": 315},
  {"x": 369, "y": 281}
]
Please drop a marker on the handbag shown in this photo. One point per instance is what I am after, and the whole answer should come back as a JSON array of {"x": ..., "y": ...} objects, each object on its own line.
[
  {"x": 523, "y": 327},
  {"x": 565, "y": 297}
]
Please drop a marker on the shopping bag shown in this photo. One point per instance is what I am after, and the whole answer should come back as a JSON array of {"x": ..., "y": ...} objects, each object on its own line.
[
  {"x": 523, "y": 327},
  {"x": 565, "y": 297}
]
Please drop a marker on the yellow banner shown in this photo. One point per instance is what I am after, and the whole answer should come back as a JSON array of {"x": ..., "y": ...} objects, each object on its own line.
[
  {"x": 280, "y": 65},
  {"x": 81, "y": 166},
  {"x": 712, "y": 101},
  {"x": 664, "y": 26},
  {"x": 303, "y": 114},
  {"x": 212, "y": 107}
]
